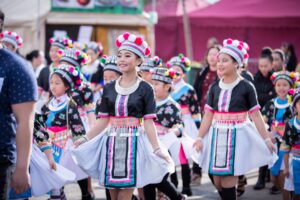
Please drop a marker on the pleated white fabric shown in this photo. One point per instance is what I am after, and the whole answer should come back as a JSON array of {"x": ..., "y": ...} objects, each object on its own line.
[
  {"x": 91, "y": 157},
  {"x": 250, "y": 149},
  {"x": 43, "y": 179}
]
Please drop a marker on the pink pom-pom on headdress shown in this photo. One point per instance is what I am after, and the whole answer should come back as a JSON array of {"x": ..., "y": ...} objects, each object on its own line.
[{"x": 126, "y": 35}]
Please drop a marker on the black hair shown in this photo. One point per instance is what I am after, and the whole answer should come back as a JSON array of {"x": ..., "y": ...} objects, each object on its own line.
[
  {"x": 280, "y": 53},
  {"x": 266, "y": 52},
  {"x": 32, "y": 54},
  {"x": 65, "y": 82},
  {"x": 2, "y": 15}
]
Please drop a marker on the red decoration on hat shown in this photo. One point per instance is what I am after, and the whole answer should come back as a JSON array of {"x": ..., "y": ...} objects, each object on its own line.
[
  {"x": 9, "y": 33},
  {"x": 126, "y": 35},
  {"x": 77, "y": 53},
  {"x": 240, "y": 47},
  {"x": 229, "y": 41},
  {"x": 139, "y": 41},
  {"x": 147, "y": 52},
  {"x": 168, "y": 65},
  {"x": 246, "y": 56},
  {"x": 1, "y": 35},
  {"x": 118, "y": 43},
  {"x": 17, "y": 37}
]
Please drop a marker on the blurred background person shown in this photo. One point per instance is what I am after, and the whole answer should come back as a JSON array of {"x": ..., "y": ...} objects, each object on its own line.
[
  {"x": 36, "y": 60},
  {"x": 290, "y": 56}
]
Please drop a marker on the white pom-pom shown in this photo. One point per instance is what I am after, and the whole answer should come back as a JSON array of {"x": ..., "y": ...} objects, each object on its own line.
[
  {"x": 236, "y": 42},
  {"x": 145, "y": 45},
  {"x": 132, "y": 38},
  {"x": 121, "y": 38},
  {"x": 246, "y": 46},
  {"x": 75, "y": 73}
]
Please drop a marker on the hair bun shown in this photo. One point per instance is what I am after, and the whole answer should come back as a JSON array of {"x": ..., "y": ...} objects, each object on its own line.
[{"x": 266, "y": 51}]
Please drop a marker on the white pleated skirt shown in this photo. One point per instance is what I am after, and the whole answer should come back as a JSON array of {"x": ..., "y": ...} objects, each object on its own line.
[
  {"x": 233, "y": 149},
  {"x": 42, "y": 178},
  {"x": 93, "y": 157}
]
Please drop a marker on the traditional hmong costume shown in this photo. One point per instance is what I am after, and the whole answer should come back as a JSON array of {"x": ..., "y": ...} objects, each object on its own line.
[
  {"x": 278, "y": 112},
  {"x": 186, "y": 96},
  {"x": 120, "y": 156},
  {"x": 291, "y": 145},
  {"x": 83, "y": 95},
  {"x": 233, "y": 146},
  {"x": 60, "y": 124}
]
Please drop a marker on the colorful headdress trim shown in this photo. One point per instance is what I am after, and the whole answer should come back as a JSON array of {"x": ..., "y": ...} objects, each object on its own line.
[
  {"x": 180, "y": 61},
  {"x": 70, "y": 73},
  {"x": 110, "y": 63},
  {"x": 136, "y": 44},
  {"x": 150, "y": 63},
  {"x": 61, "y": 42},
  {"x": 12, "y": 38},
  {"x": 75, "y": 57},
  {"x": 237, "y": 49},
  {"x": 164, "y": 74},
  {"x": 291, "y": 77}
]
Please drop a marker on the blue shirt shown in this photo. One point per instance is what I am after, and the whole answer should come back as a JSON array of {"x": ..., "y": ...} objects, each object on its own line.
[{"x": 17, "y": 85}]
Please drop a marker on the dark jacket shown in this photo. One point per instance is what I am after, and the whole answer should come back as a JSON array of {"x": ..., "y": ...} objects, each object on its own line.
[
  {"x": 264, "y": 88},
  {"x": 199, "y": 80}
]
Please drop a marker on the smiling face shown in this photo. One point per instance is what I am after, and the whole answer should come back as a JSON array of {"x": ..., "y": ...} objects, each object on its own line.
[
  {"x": 282, "y": 87},
  {"x": 57, "y": 86},
  {"x": 127, "y": 61},
  {"x": 226, "y": 66}
]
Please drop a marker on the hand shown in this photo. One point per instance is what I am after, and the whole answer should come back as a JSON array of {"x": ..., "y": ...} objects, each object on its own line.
[
  {"x": 163, "y": 155},
  {"x": 52, "y": 164},
  {"x": 80, "y": 141},
  {"x": 49, "y": 155},
  {"x": 198, "y": 144},
  {"x": 20, "y": 180},
  {"x": 286, "y": 172}
]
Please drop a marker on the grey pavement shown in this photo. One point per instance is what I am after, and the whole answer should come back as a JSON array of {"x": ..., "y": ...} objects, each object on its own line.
[{"x": 204, "y": 191}]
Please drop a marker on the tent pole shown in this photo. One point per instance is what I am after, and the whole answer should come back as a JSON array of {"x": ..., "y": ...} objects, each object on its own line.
[{"x": 187, "y": 32}]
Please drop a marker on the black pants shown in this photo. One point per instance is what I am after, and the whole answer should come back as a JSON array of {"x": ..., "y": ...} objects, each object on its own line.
[
  {"x": 6, "y": 170},
  {"x": 165, "y": 186}
]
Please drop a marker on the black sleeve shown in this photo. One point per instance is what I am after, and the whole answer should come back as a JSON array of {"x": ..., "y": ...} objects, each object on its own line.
[
  {"x": 193, "y": 102},
  {"x": 40, "y": 133},
  {"x": 210, "y": 99},
  {"x": 251, "y": 97},
  {"x": 75, "y": 122},
  {"x": 149, "y": 102},
  {"x": 103, "y": 107}
]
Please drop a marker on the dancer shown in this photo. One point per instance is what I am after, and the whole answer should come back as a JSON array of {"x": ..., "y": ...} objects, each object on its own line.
[
  {"x": 277, "y": 112},
  {"x": 291, "y": 145},
  {"x": 169, "y": 127},
  {"x": 185, "y": 95},
  {"x": 59, "y": 122},
  {"x": 127, "y": 143},
  {"x": 227, "y": 136}
]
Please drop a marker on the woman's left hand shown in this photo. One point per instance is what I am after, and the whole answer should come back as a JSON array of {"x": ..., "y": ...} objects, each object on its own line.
[{"x": 160, "y": 153}]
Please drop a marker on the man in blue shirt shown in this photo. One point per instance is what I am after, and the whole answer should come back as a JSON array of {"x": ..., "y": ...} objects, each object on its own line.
[{"x": 18, "y": 93}]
